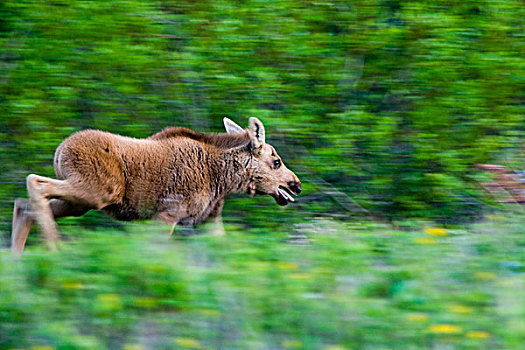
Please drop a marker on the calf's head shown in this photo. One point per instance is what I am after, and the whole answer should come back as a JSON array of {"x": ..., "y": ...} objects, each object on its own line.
[{"x": 269, "y": 174}]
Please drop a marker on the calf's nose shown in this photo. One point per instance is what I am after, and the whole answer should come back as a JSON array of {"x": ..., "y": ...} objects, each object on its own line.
[{"x": 295, "y": 186}]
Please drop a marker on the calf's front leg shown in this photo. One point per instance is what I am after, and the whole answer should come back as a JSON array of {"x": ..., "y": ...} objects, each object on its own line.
[{"x": 216, "y": 225}]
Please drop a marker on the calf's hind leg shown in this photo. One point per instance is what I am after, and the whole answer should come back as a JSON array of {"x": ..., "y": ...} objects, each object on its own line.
[
  {"x": 23, "y": 218},
  {"x": 41, "y": 192},
  {"x": 22, "y": 222}
]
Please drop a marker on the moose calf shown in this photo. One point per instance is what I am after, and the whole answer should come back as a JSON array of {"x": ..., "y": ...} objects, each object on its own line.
[{"x": 177, "y": 175}]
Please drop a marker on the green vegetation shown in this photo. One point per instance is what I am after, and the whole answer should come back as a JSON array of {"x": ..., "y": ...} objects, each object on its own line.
[{"x": 352, "y": 286}]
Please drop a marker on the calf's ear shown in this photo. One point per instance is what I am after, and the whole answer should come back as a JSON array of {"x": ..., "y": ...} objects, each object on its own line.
[
  {"x": 257, "y": 134},
  {"x": 232, "y": 127}
]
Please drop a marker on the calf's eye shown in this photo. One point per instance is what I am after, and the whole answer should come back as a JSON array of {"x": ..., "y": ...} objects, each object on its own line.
[{"x": 277, "y": 164}]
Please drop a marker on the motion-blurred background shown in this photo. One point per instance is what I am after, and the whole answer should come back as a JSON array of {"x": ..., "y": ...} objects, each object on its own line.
[
  {"x": 382, "y": 108},
  {"x": 389, "y": 102}
]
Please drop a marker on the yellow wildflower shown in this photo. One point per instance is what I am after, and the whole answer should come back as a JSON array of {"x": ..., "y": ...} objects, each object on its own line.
[
  {"x": 322, "y": 271},
  {"x": 145, "y": 302},
  {"x": 292, "y": 344},
  {"x": 335, "y": 347},
  {"x": 300, "y": 276},
  {"x": 133, "y": 347},
  {"x": 483, "y": 275},
  {"x": 495, "y": 217},
  {"x": 210, "y": 312},
  {"x": 287, "y": 266},
  {"x": 478, "y": 335},
  {"x": 156, "y": 268},
  {"x": 259, "y": 265},
  {"x": 109, "y": 301},
  {"x": 460, "y": 309},
  {"x": 425, "y": 240},
  {"x": 188, "y": 343},
  {"x": 417, "y": 317},
  {"x": 436, "y": 231},
  {"x": 445, "y": 329},
  {"x": 72, "y": 285}
]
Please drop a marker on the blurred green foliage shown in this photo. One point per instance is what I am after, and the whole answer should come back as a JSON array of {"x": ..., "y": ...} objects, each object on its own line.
[
  {"x": 351, "y": 286},
  {"x": 386, "y": 103}
]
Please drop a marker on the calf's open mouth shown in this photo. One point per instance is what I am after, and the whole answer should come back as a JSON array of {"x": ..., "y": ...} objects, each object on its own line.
[{"x": 283, "y": 196}]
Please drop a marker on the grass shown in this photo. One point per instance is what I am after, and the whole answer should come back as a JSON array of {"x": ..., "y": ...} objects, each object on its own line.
[{"x": 327, "y": 285}]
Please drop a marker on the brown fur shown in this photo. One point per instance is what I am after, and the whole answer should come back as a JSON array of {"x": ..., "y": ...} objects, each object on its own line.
[
  {"x": 217, "y": 140},
  {"x": 177, "y": 175}
]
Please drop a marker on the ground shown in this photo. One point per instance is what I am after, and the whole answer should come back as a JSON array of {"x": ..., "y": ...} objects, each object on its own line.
[{"x": 327, "y": 285}]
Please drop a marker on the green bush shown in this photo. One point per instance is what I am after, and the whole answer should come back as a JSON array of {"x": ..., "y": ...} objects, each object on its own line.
[{"x": 389, "y": 102}]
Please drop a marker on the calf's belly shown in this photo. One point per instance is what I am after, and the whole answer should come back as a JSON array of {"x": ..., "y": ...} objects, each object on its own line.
[{"x": 124, "y": 213}]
